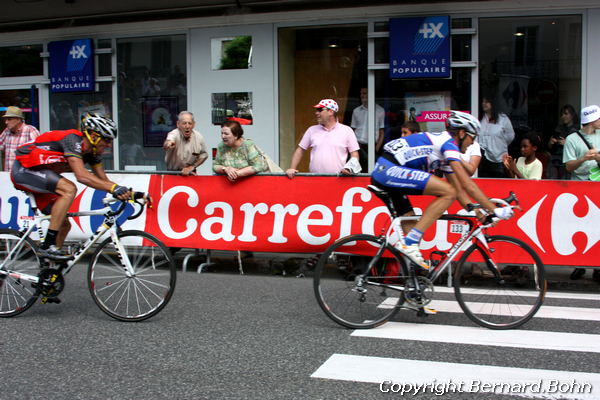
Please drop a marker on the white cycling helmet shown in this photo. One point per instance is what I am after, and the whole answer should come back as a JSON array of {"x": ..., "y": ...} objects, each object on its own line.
[
  {"x": 104, "y": 126},
  {"x": 463, "y": 120}
]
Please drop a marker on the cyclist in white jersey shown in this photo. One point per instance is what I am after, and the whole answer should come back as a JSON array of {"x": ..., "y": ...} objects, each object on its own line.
[{"x": 405, "y": 169}]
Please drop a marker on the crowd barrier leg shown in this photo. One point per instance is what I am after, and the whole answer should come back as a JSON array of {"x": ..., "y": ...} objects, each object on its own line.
[{"x": 206, "y": 264}]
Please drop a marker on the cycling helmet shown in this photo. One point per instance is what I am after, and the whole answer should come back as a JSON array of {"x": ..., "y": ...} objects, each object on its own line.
[
  {"x": 463, "y": 120},
  {"x": 104, "y": 126}
]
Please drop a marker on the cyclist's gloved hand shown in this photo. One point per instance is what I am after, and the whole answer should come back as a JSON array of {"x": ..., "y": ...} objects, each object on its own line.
[
  {"x": 504, "y": 212},
  {"x": 119, "y": 191}
]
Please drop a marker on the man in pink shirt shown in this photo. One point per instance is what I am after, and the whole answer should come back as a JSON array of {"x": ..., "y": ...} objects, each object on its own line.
[
  {"x": 16, "y": 133},
  {"x": 330, "y": 143}
]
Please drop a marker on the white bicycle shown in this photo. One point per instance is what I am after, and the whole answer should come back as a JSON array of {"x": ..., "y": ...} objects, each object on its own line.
[{"x": 131, "y": 274}]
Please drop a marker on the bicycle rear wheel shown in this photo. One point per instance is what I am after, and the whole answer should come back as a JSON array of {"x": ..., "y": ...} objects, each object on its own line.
[
  {"x": 17, "y": 295},
  {"x": 346, "y": 294},
  {"x": 502, "y": 298},
  {"x": 147, "y": 291}
]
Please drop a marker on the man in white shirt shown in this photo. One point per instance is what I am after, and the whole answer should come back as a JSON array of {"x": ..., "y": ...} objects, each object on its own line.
[{"x": 360, "y": 125}]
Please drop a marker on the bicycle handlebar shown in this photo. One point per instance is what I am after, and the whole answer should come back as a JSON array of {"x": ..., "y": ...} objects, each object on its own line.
[
  {"x": 511, "y": 198},
  {"x": 140, "y": 198}
]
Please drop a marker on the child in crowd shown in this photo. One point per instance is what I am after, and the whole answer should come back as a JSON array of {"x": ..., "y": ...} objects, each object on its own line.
[
  {"x": 410, "y": 127},
  {"x": 527, "y": 166}
]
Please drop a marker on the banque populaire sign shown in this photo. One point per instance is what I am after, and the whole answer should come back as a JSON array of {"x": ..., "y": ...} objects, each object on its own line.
[
  {"x": 71, "y": 66},
  {"x": 420, "y": 47}
]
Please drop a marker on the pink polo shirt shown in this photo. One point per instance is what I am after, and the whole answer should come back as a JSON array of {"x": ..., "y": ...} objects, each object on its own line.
[{"x": 329, "y": 147}]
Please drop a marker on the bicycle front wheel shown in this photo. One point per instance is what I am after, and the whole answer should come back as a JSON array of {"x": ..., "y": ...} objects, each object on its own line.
[
  {"x": 501, "y": 287},
  {"x": 16, "y": 294},
  {"x": 143, "y": 294},
  {"x": 347, "y": 294}
]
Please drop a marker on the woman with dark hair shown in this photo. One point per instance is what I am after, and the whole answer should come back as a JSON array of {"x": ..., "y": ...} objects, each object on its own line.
[
  {"x": 496, "y": 134},
  {"x": 569, "y": 123},
  {"x": 237, "y": 157}
]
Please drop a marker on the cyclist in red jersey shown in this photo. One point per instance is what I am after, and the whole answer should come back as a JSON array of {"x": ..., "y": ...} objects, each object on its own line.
[{"x": 38, "y": 166}]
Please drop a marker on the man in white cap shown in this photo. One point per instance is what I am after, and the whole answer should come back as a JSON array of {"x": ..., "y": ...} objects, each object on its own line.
[
  {"x": 15, "y": 134},
  {"x": 330, "y": 143},
  {"x": 580, "y": 155}
]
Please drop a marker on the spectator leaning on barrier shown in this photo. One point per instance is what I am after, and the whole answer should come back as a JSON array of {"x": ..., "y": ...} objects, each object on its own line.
[
  {"x": 185, "y": 147},
  {"x": 580, "y": 156},
  {"x": 16, "y": 133},
  {"x": 330, "y": 143},
  {"x": 237, "y": 157}
]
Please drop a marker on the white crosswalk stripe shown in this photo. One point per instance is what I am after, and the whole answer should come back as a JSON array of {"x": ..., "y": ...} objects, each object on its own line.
[
  {"x": 486, "y": 337},
  {"x": 397, "y": 375},
  {"x": 466, "y": 377}
]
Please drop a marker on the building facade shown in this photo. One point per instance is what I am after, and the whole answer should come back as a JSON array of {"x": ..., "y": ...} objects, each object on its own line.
[{"x": 267, "y": 68}]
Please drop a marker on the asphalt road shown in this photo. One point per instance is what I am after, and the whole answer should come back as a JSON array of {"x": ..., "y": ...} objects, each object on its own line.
[{"x": 226, "y": 336}]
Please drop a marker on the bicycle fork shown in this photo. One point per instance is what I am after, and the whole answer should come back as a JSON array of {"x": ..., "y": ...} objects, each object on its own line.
[{"x": 123, "y": 258}]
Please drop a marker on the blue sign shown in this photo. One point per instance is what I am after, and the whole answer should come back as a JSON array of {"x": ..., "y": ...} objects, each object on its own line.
[
  {"x": 420, "y": 47},
  {"x": 71, "y": 66}
]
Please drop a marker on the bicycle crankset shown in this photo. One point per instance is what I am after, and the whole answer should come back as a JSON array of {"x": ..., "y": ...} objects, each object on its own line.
[
  {"x": 52, "y": 282},
  {"x": 420, "y": 297}
]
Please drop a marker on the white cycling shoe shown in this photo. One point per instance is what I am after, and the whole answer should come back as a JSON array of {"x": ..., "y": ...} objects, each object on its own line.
[{"x": 413, "y": 252}]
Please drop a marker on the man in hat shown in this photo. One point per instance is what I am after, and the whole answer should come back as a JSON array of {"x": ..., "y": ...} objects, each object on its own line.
[
  {"x": 330, "y": 143},
  {"x": 580, "y": 155},
  {"x": 15, "y": 134}
]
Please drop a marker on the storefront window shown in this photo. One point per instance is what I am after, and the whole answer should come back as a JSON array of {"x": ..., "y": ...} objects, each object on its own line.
[
  {"x": 317, "y": 63},
  {"x": 152, "y": 87},
  {"x": 21, "y": 61},
  {"x": 66, "y": 110},
  {"x": 232, "y": 107},
  {"x": 531, "y": 67},
  {"x": 405, "y": 100}
]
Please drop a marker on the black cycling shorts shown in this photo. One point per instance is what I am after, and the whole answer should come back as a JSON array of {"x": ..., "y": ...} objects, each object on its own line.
[{"x": 42, "y": 183}]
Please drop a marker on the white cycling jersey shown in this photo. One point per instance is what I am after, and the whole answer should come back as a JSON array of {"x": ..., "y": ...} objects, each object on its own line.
[{"x": 426, "y": 151}]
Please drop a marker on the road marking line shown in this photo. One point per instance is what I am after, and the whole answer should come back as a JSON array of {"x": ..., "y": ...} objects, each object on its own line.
[
  {"x": 469, "y": 377},
  {"x": 481, "y": 336},
  {"x": 575, "y": 313},
  {"x": 550, "y": 295}
]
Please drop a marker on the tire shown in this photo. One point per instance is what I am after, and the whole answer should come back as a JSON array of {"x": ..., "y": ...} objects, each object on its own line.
[
  {"x": 502, "y": 300},
  {"x": 17, "y": 295},
  {"x": 338, "y": 287},
  {"x": 142, "y": 295}
]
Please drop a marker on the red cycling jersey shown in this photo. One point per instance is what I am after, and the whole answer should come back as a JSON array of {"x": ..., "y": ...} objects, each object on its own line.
[{"x": 53, "y": 148}]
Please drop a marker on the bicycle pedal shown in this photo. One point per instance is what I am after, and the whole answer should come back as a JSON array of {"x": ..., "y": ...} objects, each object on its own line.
[
  {"x": 54, "y": 300},
  {"x": 426, "y": 311}
]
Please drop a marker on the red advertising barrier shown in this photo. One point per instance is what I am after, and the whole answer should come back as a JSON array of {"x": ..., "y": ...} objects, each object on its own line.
[{"x": 306, "y": 214}]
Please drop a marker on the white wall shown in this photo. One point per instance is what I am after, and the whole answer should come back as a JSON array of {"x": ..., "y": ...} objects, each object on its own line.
[{"x": 591, "y": 54}]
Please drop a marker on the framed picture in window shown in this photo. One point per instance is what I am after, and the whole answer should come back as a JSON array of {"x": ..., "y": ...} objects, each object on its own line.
[{"x": 159, "y": 117}]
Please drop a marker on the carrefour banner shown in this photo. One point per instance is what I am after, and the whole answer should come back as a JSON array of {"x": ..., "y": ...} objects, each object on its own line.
[
  {"x": 306, "y": 214},
  {"x": 71, "y": 66},
  {"x": 420, "y": 47}
]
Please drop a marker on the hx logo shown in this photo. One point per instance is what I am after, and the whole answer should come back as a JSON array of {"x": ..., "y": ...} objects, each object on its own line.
[
  {"x": 431, "y": 30},
  {"x": 78, "y": 51}
]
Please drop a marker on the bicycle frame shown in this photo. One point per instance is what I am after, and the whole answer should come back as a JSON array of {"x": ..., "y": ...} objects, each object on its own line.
[{"x": 475, "y": 233}]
